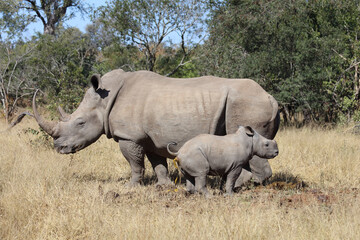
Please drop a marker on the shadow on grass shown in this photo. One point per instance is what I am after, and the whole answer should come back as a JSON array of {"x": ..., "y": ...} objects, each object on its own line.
[
  {"x": 212, "y": 182},
  {"x": 279, "y": 181},
  {"x": 152, "y": 179},
  {"x": 286, "y": 181}
]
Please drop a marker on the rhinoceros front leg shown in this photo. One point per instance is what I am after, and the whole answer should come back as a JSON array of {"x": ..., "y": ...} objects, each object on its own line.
[
  {"x": 231, "y": 178},
  {"x": 258, "y": 169},
  {"x": 160, "y": 167},
  {"x": 134, "y": 154}
]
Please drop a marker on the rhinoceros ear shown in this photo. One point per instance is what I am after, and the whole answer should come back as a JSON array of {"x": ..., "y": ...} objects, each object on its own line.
[
  {"x": 249, "y": 131},
  {"x": 96, "y": 81}
]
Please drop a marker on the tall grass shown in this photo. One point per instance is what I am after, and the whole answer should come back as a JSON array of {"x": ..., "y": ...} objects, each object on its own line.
[{"x": 45, "y": 195}]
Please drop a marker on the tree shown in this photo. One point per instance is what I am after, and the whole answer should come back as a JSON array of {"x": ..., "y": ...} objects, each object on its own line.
[
  {"x": 14, "y": 82},
  {"x": 147, "y": 24},
  {"x": 52, "y": 12},
  {"x": 63, "y": 64},
  {"x": 304, "y": 52},
  {"x": 12, "y": 21},
  {"x": 341, "y": 23},
  {"x": 14, "y": 53}
]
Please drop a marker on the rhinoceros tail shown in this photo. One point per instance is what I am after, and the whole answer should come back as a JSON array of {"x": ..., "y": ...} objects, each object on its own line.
[{"x": 169, "y": 151}]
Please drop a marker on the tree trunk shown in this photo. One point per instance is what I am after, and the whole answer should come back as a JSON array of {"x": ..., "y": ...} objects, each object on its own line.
[
  {"x": 6, "y": 109},
  {"x": 356, "y": 82},
  {"x": 49, "y": 29}
]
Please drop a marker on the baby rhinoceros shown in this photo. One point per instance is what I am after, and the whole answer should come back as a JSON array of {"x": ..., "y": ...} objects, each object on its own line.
[{"x": 208, "y": 154}]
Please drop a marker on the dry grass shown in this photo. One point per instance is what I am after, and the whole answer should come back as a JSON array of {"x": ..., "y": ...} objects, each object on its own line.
[{"x": 45, "y": 195}]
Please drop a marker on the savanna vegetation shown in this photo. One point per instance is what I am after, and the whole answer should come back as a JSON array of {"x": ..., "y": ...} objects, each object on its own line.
[
  {"x": 313, "y": 194},
  {"x": 305, "y": 53}
]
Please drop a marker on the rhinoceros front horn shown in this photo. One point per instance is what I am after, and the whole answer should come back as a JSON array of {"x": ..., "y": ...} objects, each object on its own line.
[{"x": 49, "y": 127}]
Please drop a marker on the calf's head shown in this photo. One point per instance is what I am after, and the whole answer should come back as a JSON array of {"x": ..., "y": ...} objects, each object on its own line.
[
  {"x": 262, "y": 147},
  {"x": 83, "y": 127}
]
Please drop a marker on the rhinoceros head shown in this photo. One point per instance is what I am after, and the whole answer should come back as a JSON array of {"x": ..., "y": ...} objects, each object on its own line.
[
  {"x": 262, "y": 147},
  {"x": 83, "y": 127}
]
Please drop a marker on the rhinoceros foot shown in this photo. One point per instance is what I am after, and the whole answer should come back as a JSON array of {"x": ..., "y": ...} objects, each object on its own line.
[
  {"x": 164, "y": 182},
  {"x": 132, "y": 184}
]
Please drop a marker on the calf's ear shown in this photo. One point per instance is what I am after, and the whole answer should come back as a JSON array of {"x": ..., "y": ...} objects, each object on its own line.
[
  {"x": 249, "y": 131},
  {"x": 96, "y": 81}
]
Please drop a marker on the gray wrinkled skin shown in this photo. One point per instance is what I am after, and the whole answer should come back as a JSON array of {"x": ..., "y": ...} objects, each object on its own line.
[
  {"x": 143, "y": 111},
  {"x": 221, "y": 155}
]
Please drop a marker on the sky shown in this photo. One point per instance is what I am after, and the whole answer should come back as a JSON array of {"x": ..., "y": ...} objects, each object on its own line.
[
  {"x": 78, "y": 21},
  {"x": 82, "y": 21}
]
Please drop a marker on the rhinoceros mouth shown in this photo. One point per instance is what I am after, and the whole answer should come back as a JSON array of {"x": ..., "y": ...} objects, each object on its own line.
[
  {"x": 68, "y": 149},
  {"x": 273, "y": 155}
]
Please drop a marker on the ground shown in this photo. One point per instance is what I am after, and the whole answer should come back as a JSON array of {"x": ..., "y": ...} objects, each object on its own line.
[{"x": 314, "y": 193}]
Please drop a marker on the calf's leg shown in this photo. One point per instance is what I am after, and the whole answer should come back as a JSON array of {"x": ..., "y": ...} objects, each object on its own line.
[
  {"x": 196, "y": 166},
  {"x": 231, "y": 179},
  {"x": 200, "y": 185}
]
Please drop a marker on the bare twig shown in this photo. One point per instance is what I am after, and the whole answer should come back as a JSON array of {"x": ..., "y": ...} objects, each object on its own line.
[{"x": 18, "y": 120}]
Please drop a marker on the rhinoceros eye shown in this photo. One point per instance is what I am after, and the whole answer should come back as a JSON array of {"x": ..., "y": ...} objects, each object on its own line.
[{"x": 80, "y": 122}]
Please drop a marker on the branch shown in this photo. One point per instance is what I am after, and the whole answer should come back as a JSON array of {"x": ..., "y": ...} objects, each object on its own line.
[
  {"x": 35, "y": 9},
  {"x": 344, "y": 58},
  {"x": 18, "y": 120},
  {"x": 182, "y": 63}
]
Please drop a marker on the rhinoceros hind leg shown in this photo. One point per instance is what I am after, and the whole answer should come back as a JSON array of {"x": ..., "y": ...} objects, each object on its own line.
[
  {"x": 190, "y": 185},
  {"x": 160, "y": 167},
  {"x": 134, "y": 154},
  {"x": 200, "y": 185},
  {"x": 190, "y": 182}
]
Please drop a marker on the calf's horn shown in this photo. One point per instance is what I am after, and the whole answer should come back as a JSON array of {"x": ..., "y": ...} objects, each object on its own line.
[{"x": 49, "y": 127}]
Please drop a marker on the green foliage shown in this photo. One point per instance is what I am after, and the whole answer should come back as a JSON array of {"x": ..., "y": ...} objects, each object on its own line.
[
  {"x": 117, "y": 56},
  {"x": 147, "y": 25},
  {"x": 304, "y": 52},
  {"x": 41, "y": 140},
  {"x": 169, "y": 59},
  {"x": 12, "y": 21},
  {"x": 356, "y": 116},
  {"x": 63, "y": 66}
]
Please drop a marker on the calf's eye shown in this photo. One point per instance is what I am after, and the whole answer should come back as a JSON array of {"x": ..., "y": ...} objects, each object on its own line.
[{"x": 80, "y": 124}]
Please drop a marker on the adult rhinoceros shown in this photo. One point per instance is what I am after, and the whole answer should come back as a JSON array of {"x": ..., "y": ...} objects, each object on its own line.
[{"x": 144, "y": 111}]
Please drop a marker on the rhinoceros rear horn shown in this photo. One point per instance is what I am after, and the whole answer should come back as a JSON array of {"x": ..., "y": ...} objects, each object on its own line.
[
  {"x": 49, "y": 127},
  {"x": 63, "y": 115}
]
